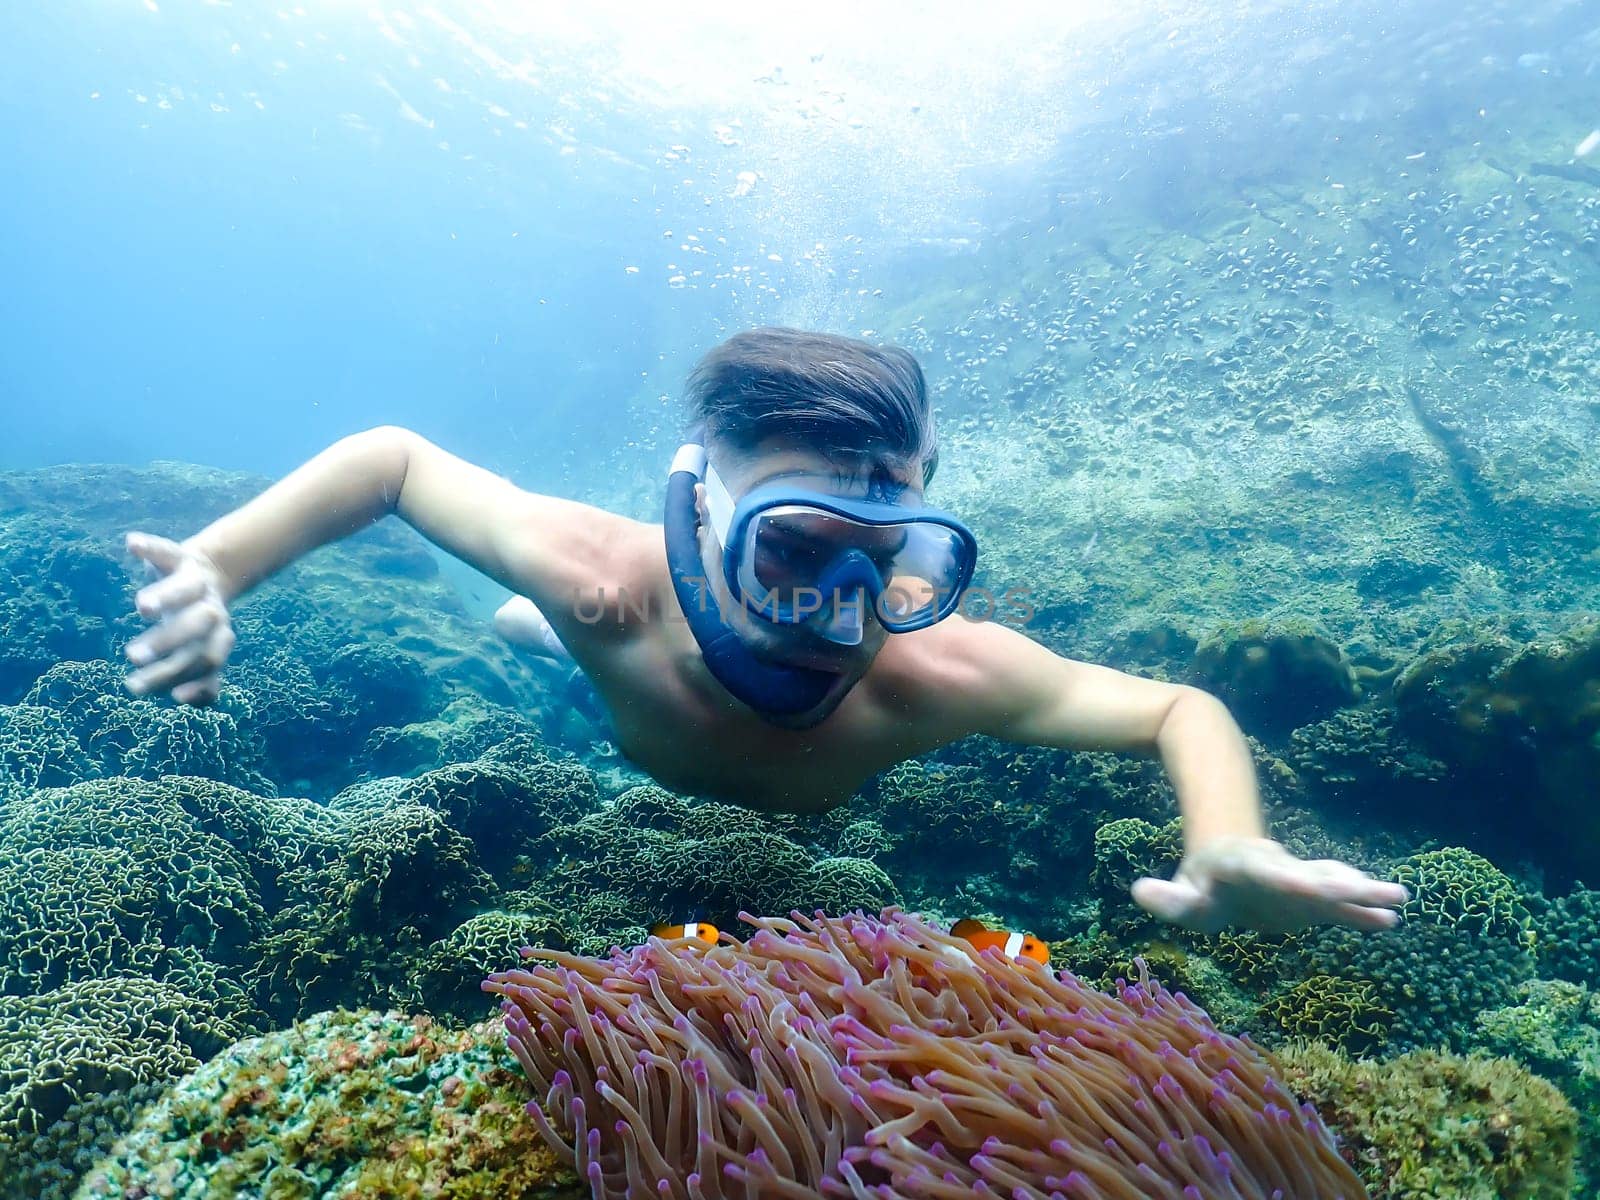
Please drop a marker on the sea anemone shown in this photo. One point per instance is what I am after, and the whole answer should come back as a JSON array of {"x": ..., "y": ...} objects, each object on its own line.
[{"x": 879, "y": 1057}]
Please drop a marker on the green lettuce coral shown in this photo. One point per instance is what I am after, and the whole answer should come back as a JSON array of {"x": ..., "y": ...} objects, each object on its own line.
[
  {"x": 1455, "y": 886},
  {"x": 76, "y": 1059}
]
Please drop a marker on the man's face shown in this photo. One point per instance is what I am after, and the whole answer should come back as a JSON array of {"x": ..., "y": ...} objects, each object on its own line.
[{"x": 802, "y": 543}]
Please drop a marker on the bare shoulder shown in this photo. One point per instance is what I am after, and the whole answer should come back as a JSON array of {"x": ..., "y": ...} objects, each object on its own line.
[
  {"x": 950, "y": 673},
  {"x": 962, "y": 677},
  {"x": 611, "y": 581}
]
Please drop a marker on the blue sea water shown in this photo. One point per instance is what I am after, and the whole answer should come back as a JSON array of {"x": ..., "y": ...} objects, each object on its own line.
[
  {"x": 1263, "y": 312},
  {"x": 236, "y": 231}
]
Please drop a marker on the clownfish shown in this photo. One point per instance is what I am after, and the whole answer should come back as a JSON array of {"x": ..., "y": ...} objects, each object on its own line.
[
  {"x": 703, "y": 930},
  {"x": 1008, "y": 941}
]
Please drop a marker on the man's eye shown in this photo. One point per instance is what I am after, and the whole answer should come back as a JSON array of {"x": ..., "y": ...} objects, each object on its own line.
[{"x": 800, "y": 549}]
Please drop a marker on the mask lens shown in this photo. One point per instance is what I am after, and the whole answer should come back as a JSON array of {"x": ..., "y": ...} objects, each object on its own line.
[
  {"x": 792, "y": 548},
  {"x": 795, "y": 545},
  {"x": 927, "y": 571}
]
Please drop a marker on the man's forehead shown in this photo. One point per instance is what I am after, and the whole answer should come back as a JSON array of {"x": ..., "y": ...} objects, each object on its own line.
[{"x": 846, "y": 471}]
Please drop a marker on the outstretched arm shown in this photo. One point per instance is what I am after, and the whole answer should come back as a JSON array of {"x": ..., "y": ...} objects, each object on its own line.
[
  {"x": 539, "y": 546},
  {"x": 1231, "y": 873},
  {"x": 530, "y": 543}
]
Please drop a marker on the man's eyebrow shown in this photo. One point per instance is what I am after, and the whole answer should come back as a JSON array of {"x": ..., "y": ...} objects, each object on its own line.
[{"x": 878, "y": 482}]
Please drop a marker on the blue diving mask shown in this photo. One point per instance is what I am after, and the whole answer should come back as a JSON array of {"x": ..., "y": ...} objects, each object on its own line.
[
  {"x": 796, "y": 551},
  {"x": 794, "y": 555}
]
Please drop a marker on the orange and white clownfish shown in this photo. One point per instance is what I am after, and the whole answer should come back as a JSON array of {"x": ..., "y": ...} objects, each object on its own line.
[
  {"x": 1008, "y": 941},
  {"x": 689, "y": 928}
]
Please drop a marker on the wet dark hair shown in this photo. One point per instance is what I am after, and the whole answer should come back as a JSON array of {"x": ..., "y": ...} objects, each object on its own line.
[{"x": 848, "y": 399}]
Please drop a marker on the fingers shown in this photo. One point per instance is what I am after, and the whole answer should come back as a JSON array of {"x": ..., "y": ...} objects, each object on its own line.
[
  {"x": 191, "y": 661},
  {"x": 1327, "y": 880},
  {"x": 199, "y": 691},
  {"x": 1166, "y": 899},
  {"x": 184, "y": 652},
  {"x": 178, "y": 667},
  {"x": 1358, "y": 916},
  {"x": 1263, "y": 887},
  {"x": 192, "y": 624},
  {"x": 170, "y": 593},
  {"x": 162, "y": 553},
  {"x": 1361, "y": 888}
]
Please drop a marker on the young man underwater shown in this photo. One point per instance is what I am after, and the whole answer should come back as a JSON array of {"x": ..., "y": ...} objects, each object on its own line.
[{"x": 829, "y": 647}]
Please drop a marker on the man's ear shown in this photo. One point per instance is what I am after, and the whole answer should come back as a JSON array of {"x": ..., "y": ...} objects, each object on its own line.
[{"x": 703, "y": 531}]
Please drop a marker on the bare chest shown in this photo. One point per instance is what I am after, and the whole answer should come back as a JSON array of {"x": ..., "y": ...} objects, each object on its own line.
[
  {"x": 711, "y": 749},
  {"x": 746, "y": 764}
]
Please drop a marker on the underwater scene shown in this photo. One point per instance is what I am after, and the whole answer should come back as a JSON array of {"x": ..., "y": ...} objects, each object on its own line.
[{"x": 864, "y": 601}]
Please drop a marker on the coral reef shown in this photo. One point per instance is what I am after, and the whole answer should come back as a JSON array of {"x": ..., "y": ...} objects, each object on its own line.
[
  {"x": 1427, "y": 1125},
  {"x": 404, "y": 879},
  {"x": 1275, "y": 679},
  {"x": 505, "y": 800},
  {"x": 148, "y": 739},
  {"x": 113, "y": 875},
  {"x": 1357, "y": 754},
  {"x": 369, "y": 1105},
  {"x": 1568, "y": 931},
  {"x": 649, "y": 856},
  {"x": 1318, "y": 441},
  {"x": 1463, "y": 945},
  {"x": 1554, "y": 1028},
  {"x": 69, "y": 601},
  {"x": 1126, "y": 850},
  {"x": 445, "y": 978},
  {"x": 77, "y": 1059},
  {"x": 464, "y": 729},
  {"x": 38, "y": 749},
  {"x": 1342, "y": 1012},
  {"x": 1453, "y": 886}
]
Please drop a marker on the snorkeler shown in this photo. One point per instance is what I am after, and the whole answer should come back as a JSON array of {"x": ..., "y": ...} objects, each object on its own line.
[{"x": 789, "y": 631}]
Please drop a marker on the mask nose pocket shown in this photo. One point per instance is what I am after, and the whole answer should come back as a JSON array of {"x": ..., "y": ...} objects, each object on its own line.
[
  {"x": 849, "y": 585},
  {"x": 845, "y": 627}
]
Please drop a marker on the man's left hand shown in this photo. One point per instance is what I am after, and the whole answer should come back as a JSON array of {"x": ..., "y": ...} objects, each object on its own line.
[{"x": 1256, "y": 883}]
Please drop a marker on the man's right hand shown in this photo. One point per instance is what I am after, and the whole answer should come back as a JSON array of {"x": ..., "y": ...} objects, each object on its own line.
[{"x": 185, "y": 651}]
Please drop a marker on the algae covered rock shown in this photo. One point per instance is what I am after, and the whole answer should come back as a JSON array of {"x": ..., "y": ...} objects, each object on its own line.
[
  {"x": 1516, "y": 720},
  {"x": 1275, "y": 678},
  {"x": 357, "y": 1105},
  {"x": 1428, "y": 1125}
]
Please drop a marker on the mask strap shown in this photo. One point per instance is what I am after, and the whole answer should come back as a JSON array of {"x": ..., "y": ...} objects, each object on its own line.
[{"x": 719, "y": 504}]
